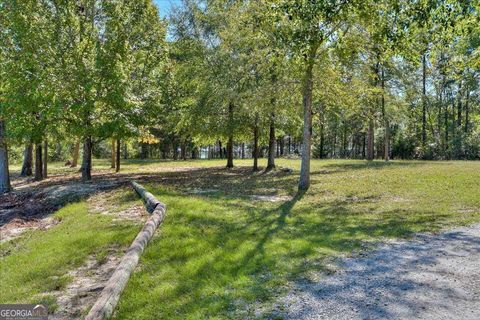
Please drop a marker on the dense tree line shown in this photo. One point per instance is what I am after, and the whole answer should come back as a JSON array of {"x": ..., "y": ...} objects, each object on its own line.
[{"x": 223, "y": 79}]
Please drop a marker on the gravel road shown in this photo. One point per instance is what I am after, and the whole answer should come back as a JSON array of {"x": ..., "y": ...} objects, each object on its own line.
[{"x": 429, "y": 277}]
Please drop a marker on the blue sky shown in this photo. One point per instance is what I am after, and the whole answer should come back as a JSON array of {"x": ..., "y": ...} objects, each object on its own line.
[{"x": 166, "y": 5}]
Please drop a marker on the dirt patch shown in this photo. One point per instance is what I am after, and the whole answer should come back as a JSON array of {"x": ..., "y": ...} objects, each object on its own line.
[
  {"x": 101, "y": 203},
  {"x": 17, "y": 227},
  {"x": 272, "y": 198},
  {"x": 31, "y": 202},
  {"x": 89, "y": 280},
  {"x": 78, "y": 297},
  {"x": 202, "y": 191}
]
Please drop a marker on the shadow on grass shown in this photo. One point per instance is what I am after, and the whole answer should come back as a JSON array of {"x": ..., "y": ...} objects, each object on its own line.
[
  {"x": 221, "y": 257},
  {"x": 360, "y": 165}
]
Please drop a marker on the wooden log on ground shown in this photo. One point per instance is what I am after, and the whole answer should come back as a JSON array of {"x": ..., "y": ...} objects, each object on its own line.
[
  {"x": 110, "y": 295},
  {"x": 150, "y": 201}
]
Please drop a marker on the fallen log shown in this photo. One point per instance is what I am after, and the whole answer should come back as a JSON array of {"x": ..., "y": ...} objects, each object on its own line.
[
  {"x": 110, "y": 295},
  {"x": 150, "y": 201}
]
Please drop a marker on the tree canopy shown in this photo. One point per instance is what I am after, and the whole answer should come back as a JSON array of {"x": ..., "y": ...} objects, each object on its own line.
[{"x": 336, "y": 78}]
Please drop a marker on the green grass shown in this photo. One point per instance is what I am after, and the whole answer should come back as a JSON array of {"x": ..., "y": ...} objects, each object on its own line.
[
  {"x": 37, "y": 264},
  {"x": 223, "y": 255}
]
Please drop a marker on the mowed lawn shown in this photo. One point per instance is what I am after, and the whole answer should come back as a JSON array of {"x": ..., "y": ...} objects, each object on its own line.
[
  {"x": 223, "y": 253},
  {"x": 233, "y": 240},
  {"x": 34, "y": 267}
]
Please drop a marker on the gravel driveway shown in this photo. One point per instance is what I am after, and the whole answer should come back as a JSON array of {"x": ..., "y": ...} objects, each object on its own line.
[{"x": 430, "y": 277}]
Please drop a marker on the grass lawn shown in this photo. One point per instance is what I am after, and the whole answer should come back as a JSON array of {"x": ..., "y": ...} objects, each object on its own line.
[
  {"x": 221, "y": 254},
  {"x": 37, "y": 264},
  {"x": 233, "y": 240}
]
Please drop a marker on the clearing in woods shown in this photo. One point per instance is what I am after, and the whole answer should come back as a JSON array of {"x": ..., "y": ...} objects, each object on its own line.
[{"x": 234, "y": 242}]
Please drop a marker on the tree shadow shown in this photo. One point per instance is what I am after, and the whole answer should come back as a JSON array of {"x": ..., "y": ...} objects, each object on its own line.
[{"x": 360, "y": 165}]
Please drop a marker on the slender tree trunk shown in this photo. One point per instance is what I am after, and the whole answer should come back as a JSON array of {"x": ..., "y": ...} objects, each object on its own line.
[
  {"x": 38, "y": 162},
  {"x": 4, "y": 173},
  {"x": 467, "y": 111},
  {"x": 459, "y": 105},
  {"x": 371, "y": 139},
  {"x": 144, "y": 151},
  {"x": 322, "y": 139},
  {"x": 230, "y": 152},
  {"x": 183, "y": 150},
  {"x": 230, "y": 137},
  {"x": 446, "y": 128},
  {"x": 27, "y": 161},
  {"x": 304, "y": 182},
  {"x": 334, "y": 148},
  {"x": 87, "y": 159},
  {"x": 424, "y": 99},
  {"x": 255, "y": 145},
  {"x": 385, "y": 119},
  {"x": 220, "y": 149},
  {"x": 243, "y": 150},
  {"x": 45, "y": 158},
  {"x": 76, "y": 153},
  {"x": 364, "y": 145},
  {"x": 117, "y": 166},
  {"x": 271, "y": 145},
  {"x": 113, "y": 160},
  {"x": 387, "y": 140}
]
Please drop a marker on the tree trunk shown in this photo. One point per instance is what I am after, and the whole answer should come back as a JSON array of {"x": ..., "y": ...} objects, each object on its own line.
[
  {"x": 304, "y": 182},
  {"x": 459, "y": 105},
  {"x": 87, "y": 159},
  {"x": 271, "y": 144},
  {"x": 371, "y": 139},
  {"x": 144, "y": 151},
  {"x": 38, "y": 162},
  {"x": 387, "y": 140},
  {"x": 255, "y": 145},
  {"x": 322, "y": 139},
  {"x": 364, "y": 145},
  {"x": 243, "y": 150},
  {"x": 230, "y": 152},
  {"x": 76, "y": 152},
  {"x": 424, "y": 99},
  {"x": 183, "y": 150},
  {"x": 45, "y": 158},
  {"x": 446, "y": 128},
  {"x": 113, "y": 160},
  {"x": 117, "y": 165},
  {"x": 27, "y": 161},
  {"x": 467, "y": 111},
  {"x": 4, "y": 173},
  {"x": 385, "y": 119},
  {"x": 230, "y": 136}
]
